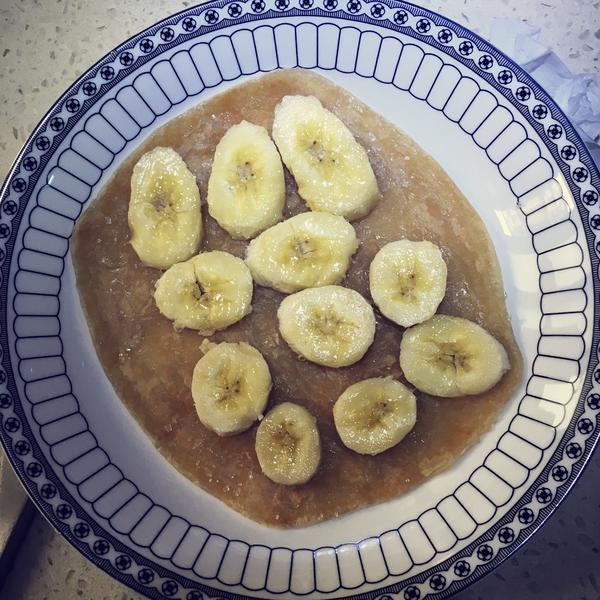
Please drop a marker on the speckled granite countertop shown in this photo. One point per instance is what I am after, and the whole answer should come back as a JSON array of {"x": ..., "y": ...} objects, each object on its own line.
[{"x": 44, "y": 45}]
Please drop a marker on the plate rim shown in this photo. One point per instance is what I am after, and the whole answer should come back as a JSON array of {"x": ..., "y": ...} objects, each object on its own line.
[{"x": 558, "y": 115}]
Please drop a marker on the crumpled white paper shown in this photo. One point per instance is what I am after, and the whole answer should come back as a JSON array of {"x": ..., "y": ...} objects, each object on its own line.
[{"x": 577, "y": 95}]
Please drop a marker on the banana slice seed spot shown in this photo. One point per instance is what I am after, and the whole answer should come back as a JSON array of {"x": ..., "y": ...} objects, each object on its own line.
[
  {"x": 329, "y": 323},
  {"x": 452, "y": 358},
  {"x": 160, "y": 203},
  {"x": 381, "y": 409},
  {"x": 160, "y": 206},
  {"x": 286, "y": 440},
  {"x": 317, "y": 150},
  {"x": 245, "y": 172},
  {"x": 373, "y": 416},
  {"x": 303, "y": 247},
  {"x": 408, "y": 283},
  {"x": 198, "y": 290},
  {"x": 229, "y": 389}
]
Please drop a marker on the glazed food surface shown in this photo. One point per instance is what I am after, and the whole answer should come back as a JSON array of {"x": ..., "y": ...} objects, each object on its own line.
[{"x": 150, "y": 364}]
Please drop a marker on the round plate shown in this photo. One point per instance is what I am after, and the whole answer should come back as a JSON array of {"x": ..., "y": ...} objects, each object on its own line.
[{"x": 97, "y": 477}]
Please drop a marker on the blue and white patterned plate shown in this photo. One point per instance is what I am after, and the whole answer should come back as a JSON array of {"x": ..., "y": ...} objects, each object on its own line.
[{"x": 86, "y": 463}]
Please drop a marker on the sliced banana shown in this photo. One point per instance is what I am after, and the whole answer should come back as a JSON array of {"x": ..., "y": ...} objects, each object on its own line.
[
  {"x": 164, "y": 209},
  {"x": 309, "y": 250},
  {"x": 230, "y": 387},
  {"x": 331, "y": 168},
  {"x": 288, "y": 445},
  {"x": 208, "y": 292},
  {"x": 331, "y": 325},
  {"x": 246, "y": 189},
  {"x": 408, "y": 281},
  {"x": 374, "y": 415},
  {"x": 450, "y": 356}
]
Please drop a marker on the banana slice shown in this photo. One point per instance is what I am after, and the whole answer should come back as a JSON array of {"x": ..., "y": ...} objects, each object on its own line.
[
  {"x": 164, "y": 209},
  {"x": 246, "y": 189},
  {"x": 332, "y": 325},
  {"x": 450, "y": 356},
  {"x": 408, "y": 281},
  {"x": 374, "y": 415},
  {"x": 288, "y": 445},
  {"x": 208, "y": 292},
  {"x": 308, "y": 250},
  {"x": 230, "y": 387},
  {"x": 331, "y": 168}
]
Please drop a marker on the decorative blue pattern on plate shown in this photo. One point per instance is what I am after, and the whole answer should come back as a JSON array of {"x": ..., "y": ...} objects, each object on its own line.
[{"x": 542, "y": 210}]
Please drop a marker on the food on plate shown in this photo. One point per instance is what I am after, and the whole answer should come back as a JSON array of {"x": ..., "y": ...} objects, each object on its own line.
[
  {"x": 230, "y": 387},
  {"x": 450, "y": 356},
  {"x": 164, "y": 209},
  {"x": 151, "y": 363},
  {"x": 332, "y": 325},
  {"x": 246, "y": 188},
  {"x": 373, "y": 415},
  {"x": 288, "y": 445},
  {"x": 331, "y": 168},
  {"x": 309, "y": 250},
  {"x": 407, "y": 281},
  {"x": 208, "y": 292}
]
